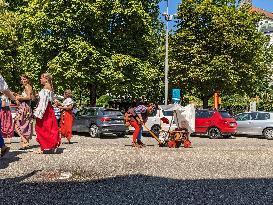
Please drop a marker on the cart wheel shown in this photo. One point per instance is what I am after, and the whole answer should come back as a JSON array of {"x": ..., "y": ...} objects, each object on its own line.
[{"x": 156, "y": 130}]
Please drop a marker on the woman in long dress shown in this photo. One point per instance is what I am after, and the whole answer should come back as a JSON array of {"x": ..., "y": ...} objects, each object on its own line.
[
  {"x": 47, "y": 130},
  {"x": 4, "y": 88},
  {"x": 66, "y": 121},
  {"x": 23, "y": 118},
  {"x": 7, "y": 127}
]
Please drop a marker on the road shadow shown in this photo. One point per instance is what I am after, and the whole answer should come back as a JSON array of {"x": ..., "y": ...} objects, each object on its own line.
[
  {"x": 105, "y": 137},
  {"x": 252, "y": 137},
  {"x": 84, "y": 134},
  {"x": 59, "y": 150},
  {"x": 68, "y": 143},
  {"x": 138, "y": 189},
  {"x": 10, "y": 157}
]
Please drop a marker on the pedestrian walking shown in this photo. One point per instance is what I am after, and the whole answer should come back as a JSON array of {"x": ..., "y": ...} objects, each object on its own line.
[
  {"x": 46, "y": 128},
  {"x": 4, "y": 89},
  {"x": 57, "y": 112},
  {"x": 23, "y": 118},
  {"x": 139, "y": 116},
  {"x": 7, "y": 127},
  {"x": 66, "y": 122}
]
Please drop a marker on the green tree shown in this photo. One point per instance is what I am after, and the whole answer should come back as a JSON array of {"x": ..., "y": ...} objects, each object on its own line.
[
  {"x": 92, "y": 46},
  {"x": 8, "y": 44},
  {"x": 217, "y": 47}
]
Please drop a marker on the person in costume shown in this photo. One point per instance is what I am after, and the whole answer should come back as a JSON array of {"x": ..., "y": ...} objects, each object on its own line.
[
  {"x": 66, "y": 121},
  {"x": 7, "y": 127},
  {"x": 47, "y": 131},
  {"x": 23, "y": 118},
  {"x": 4, "y": 89}
]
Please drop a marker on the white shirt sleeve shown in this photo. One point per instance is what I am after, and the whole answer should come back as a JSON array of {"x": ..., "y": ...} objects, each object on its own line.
[
  {"x": 44, "y": 98},
  {"x": 3, "y": 84},
  {"x": 5, "y": 98},
  {"x": 67, "y": 102}
]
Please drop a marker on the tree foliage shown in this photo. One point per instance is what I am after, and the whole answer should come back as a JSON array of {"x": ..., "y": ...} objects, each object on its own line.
[
  {"x": 217, "y": 47},
  {"x": 91, "y": 46},
  {"x": 8, "y": 43}
]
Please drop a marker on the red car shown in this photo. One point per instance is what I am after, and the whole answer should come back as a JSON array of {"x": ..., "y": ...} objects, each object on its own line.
[{"x": 216, "y": 124}]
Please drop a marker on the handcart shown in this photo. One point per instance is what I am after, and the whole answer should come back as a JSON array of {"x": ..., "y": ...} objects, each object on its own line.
[{"x": 184, "y": 118}]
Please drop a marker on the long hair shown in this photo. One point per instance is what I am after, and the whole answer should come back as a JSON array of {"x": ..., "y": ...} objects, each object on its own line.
[
  {"x": 49, "y": 78},
  {"x": 28, "y": 79},
  {"x": 68, "y": 93}
]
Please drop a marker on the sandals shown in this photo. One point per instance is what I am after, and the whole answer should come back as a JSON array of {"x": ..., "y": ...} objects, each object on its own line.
[
  {"x": 4, "y": 150},
  {"x": 38, "y": 151},
  {"x": 135, "y": 144},
  {"x": 24, "y": 145}
]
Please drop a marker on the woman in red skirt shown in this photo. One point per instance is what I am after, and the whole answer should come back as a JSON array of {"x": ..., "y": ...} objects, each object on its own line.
[
  {"x": 66, "y": 122},
  {"x": 46, "y": 125}
]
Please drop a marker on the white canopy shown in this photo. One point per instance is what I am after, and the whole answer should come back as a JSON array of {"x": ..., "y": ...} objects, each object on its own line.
[{"x": 184, "y": 116}]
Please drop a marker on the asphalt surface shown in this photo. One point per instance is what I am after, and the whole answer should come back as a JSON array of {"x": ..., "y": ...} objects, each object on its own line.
[{"x": 110, "y": 171}]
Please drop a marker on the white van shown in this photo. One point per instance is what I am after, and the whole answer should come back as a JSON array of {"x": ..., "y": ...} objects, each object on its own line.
[{"x": 160, "y": 120}]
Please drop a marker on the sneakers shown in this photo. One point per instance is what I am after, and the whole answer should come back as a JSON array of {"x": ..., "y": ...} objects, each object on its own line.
[
  {"x": 4, "y": 150},
  {"x": 138, "y": 144}
]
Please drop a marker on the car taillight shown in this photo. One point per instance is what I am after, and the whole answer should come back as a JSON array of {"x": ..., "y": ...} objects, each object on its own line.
[
  {"x": 165, "y": 120},
  {"x": 105, "y": 119}
]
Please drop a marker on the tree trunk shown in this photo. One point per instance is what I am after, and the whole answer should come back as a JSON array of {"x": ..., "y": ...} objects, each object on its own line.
[
  {"x": 93, "y": 94},
  {"x": 80, "y": 98},
  {"x": 205, "y": 102}
]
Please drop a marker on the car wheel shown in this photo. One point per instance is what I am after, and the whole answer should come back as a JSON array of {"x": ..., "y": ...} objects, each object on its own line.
[
  {"x": 94, "y": 131},
  {"x": 156, "y": 130},
  {"x": 268, "y": 133},
  {"x": 214, "y": 133}
]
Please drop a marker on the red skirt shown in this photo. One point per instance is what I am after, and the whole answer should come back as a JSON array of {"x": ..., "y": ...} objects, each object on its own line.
[
  {"x": 47, "y": 130},
  {"x": 7, "y": 127},
  {"x": 66, "y": 124}
]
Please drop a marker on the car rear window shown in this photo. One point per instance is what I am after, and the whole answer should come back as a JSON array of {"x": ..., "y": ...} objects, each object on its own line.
[
  {"x": 167, "y": 113},
  {"x": 111, "y": 112},
  {"x": 225, "y": 114},
  {"x": 203, "y": 114}
]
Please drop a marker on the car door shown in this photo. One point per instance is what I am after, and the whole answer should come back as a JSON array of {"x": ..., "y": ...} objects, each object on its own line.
[
  {"x": 244, "y": 123},
  {"x": 202, "y": 120},
  {"x": 258, "y": 122},
  {"x": 85, "y": 118}
]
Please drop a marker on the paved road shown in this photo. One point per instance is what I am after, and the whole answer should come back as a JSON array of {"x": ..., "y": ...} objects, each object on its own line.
[{"x": 109, "y": 171}]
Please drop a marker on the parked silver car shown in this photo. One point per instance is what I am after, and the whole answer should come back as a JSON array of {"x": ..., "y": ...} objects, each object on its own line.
[
  {"x": 100, "y": 121},
  {"x": 255, "y": 123}
]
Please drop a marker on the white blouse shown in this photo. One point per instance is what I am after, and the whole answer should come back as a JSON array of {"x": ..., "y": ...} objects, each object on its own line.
[
  {"x": 67, "y": 102},
  {"x": 45, "y": 96},
  {"x": 3, "y": 84},
  {"x": 4, "y": 98}
]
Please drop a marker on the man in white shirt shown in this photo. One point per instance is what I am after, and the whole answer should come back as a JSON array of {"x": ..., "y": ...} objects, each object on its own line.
[{"x": 4, "y": 89}]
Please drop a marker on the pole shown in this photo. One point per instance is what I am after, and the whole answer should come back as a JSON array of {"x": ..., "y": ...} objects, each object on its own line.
[{"x": 166, "y": 56}]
